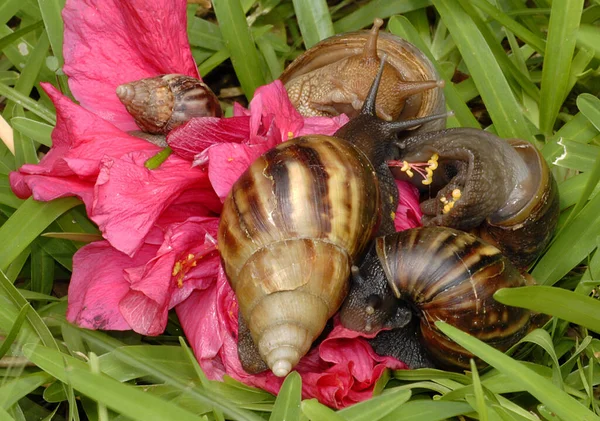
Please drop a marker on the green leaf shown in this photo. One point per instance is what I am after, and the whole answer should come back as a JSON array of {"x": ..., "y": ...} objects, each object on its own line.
[
  {"x": 9, "y": 39},
  {"x": 122, "y": 398},
  {"x": 240, "y": 44},
  {"x": 562, "y": 35},
  {"x": 287, "y": 404},
  {"x": 428, "y": 410},
  {"x": 40, "y": 132},
  {"x": 366, "y": 14},
  {"x": 314, "y": 20},
  {"x": 13, "y": 390},
  {"x": 51, "y": 13},
  {"x": 499, "y": 99},
  {"x": 316, "y": 411},
  {"x": 560, "y": 402},
  {"x": 378, "y": 406},
  {"x": 589, "y": 105},
  {"x": 14, "y": 330},
  {"x": 588, "y": 36},
  {"x": 557, "y": 302},
  {"x": 28, "y": 221},
  {"x": 34, "y": 106}
]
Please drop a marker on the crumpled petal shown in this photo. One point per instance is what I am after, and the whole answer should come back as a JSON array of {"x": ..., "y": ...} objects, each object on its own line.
[
  {"x": 98, "y": 285},
  {"x": 80, "y": 140},
  {"x": 408, "y": 214},
  {"x": 110, "y": 42},
  {"x": 172, "y": 274},
  {"x": 129, "y": 197}
]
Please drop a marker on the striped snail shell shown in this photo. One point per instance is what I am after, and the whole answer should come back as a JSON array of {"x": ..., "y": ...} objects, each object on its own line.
[
  {"x": 449, "y": 275},
  {"x": 502, "y": 190},
  {"x": 293, "y": 225},
  {"x": 160, "y": 104},
  {"x": 334, "y": 76},
  {"x": 288, "y": 235}
]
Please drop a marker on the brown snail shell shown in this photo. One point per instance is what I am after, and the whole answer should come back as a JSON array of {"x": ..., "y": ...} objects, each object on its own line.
[
  {"x": 450, "y": 275},
  {"x": 334, "y": 76},
  {"x": 289, "y": 223},
  {"x": 160, "y": 104},
  {"x": 502, "y": 190}
]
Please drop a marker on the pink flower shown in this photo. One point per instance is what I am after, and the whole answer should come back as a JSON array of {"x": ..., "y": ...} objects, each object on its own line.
[{"x": 160, "y": 226}]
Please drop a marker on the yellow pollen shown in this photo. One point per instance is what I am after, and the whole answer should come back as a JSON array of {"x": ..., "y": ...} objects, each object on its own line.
[
  {"x": 177, "y": 268},
  {"x": 229, "y": 159},
  {"x": 409, "y": 173},
  {"x": 393, "y": 215},
  {"x": 290, "y": 135},
  {"x": 427, "y": 181},
  {"x": 446, "y": 208},
  {"x": 180, "y": 282},
  {"x": 405, "y": 167},
  {"x": 391, "y": 199},
  {"x": 456, "y": 194},
  {"x": 443, "y": 199}
]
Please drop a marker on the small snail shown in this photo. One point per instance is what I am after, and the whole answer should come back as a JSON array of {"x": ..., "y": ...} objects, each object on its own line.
[
  {"x": 160, "y": 104},
  {"x": 503, "y": 190},
  {"x": 292, "y": 227},
  {"x": 441, "y": 274},
  {"x": 334, "y": 76}
]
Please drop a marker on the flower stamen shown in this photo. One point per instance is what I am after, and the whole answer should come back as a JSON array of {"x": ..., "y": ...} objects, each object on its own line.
[
  {"x": 424, "y": 169},
  {"x": 449, "y": 203}
]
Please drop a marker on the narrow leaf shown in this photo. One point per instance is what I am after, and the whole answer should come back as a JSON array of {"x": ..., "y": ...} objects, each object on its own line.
[
  {"x": 287, "y": 404},
  {"x": 314, "y": 20}
]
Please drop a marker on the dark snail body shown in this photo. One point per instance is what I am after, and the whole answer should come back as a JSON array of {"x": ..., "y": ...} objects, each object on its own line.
[
  {"x": 160, "y": 104},
  {"x": 503, "y": 190},
  {"x": 449, "y": 275}
]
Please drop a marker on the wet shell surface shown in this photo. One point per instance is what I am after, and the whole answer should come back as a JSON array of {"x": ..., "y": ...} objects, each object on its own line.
[
  {"x": 162, "y": 103},
  {"x": 450, "y": 275},
  {"x": 290, "y": 230}
]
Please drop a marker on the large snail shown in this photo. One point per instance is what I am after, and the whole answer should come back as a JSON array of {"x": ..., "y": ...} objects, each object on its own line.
[
  {"x": 334, "y": 76},
  {"x": 293, "y": 225},
  {"x": 162, "y": 103},
  {"x": 441, "y": 274},
  {"x": 503, "y": 190}
]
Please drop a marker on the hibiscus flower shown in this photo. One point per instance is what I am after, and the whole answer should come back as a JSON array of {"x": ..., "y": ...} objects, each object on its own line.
[{"x": 159, "y": 226}]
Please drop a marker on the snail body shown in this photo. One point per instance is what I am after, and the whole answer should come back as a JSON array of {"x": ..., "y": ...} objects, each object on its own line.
[
  {"x": 333, "y": 77},
  {"x": 160, "y": 104},
  {"x": 501, "y": 190},
  {"x": 448, "y": 275},
  {"x": 294, "y": 224}
]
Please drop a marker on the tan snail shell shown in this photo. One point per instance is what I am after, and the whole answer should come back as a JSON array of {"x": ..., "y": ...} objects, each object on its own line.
[
  {"x": 450, "y": 275},
  {"x": 502, "y": 190},
  {"x": 334, "y": 76},
  {"x": 288, "y": 234},
  {"x": 160, "y": 104}
]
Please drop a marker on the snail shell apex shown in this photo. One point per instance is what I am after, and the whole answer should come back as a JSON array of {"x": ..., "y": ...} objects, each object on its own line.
[
  {"x": 288, "y": 234},
  {"x": 162, "y": 103},
  {"x": 455, "y": 283}
]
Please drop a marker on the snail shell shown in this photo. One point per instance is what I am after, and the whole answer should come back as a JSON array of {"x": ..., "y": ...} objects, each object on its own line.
[
  {"x": 288, "y": 234},
  {"x": 503, "y": 190},
  {"x": 160, "y": 104},
  {"x": 450, "y": 275},
  {"x": 334, "y": 76}
]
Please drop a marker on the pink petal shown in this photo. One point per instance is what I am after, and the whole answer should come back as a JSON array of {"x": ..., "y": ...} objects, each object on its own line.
[
  {"x": 80, "y": 140},
  {"x": 323, "y": 125},
  {"x": 272, "y": 101},
  {"x": 200, "y": 133},
  {"x": 110, "y": 42},
  {"x": 408, "y": 214},
  {"x": 186, "y": 260},
  {"x": 97, "y": 287},
  {"x": 129, "y": 198}
]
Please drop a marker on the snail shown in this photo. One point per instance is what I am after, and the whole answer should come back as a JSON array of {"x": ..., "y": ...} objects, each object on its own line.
[
  {"x": 441, "y": 274},
  {"x": 160, "y": 104},
  {"x": 333, "y": 77},
  {"x": 501, "y": 190},
  {"x": 293, "y": 225}
]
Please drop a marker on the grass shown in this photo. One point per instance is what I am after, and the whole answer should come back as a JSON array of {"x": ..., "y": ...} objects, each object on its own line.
[{"x": 529, "y": 71}]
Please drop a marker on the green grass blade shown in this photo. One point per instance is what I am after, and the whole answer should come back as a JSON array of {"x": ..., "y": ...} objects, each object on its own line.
[
  {"x": 40, "y": 132},
  {"x": 378, "y": 406},
  {"x": 287, "y": 404},
  {"x": 589, "y": 105},
  {"x": 589, "y": 37},
  {"x": 14, "y": 330},
  {"x": 314, "y": 20},
  {"x": 13, "y": 390},
  {"x": 560, "y": 402},
  {"x": 316, "y": 411},
  {"x": 558, "y": 302},
  {"x": 579, "y": 238},
  {"x": 28, "y": 103},
  {"x": 365, "y": 15},
  {"x": 426, "y": 410},
  {"x": 51, "y": 13},
  {"x": 402, "y": 27},
  {"x": 501, "y": 104},
  {"x": 562, "y": 35},
  {"x": 9, "y": 39},
  {"x": 480, "y": 406},
  {"x": 240, "y": 44},
  {"x": 28, "y": 221},
  {"x": 127, "y": 400}
]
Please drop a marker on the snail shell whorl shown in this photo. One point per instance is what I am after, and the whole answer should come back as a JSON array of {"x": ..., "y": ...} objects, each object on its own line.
[
  {"x": 451, "y": 275},
  {"x": 162, "y": 103},
  {"x": 290, "y": 229}
]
